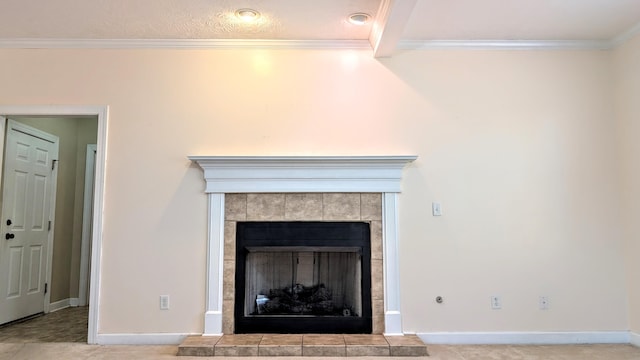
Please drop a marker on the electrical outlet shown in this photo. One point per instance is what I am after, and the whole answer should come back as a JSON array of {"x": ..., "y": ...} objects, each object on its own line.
[
  {"x": 164, "y": 302},
  {"x": 543, "y": 303},
  {"x": 496, "y": 303}
]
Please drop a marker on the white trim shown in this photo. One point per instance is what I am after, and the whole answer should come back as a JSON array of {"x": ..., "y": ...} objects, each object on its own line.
[
  {"x": 98, "y": 216},
  {"x": 313, "y": 44},
  {"x": 59, "y": 305},
  {"x": 3, "y": 125},
  {"x": 634, "y": 338},
  {"x": 259, "y": 174},
  {"x": 392, "y": 314},
  {"x": 506, "y": 44},
  {"x": 85, "y": 246},
  {"x": 251, "y": 174},
  {"x": 215, "y": 266},
  {"x": 102, "y": 112},
  {"x": 181, "y": 44},
  {"x": 63, "y": 304},
  {"x": 389, "y": 25},
  {"x": 142, "y": 339},
  {"x": 521, "y": 338},
  {"x": 626, "y": 36}
]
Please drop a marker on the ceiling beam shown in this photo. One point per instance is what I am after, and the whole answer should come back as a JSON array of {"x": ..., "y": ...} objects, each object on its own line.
[{"x": 389, "y": 25}]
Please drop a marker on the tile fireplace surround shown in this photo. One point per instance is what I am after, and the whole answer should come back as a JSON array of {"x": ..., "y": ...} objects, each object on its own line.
[{"x": 283, "y": 188}]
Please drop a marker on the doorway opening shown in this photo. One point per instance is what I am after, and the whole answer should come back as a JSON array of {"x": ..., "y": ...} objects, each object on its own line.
[{"x": 77, "y": 225}]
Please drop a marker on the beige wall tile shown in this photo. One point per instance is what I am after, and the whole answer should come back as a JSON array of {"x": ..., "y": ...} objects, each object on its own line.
[
  {"x": 377, "y": 311},
  {"x": 377, "y": 279},
  {"x": 265, "y": 207},
  {"x": 376, "y": 240},
  {"x": 235, "y": 207},
  {"x": 377, "y": 323},
  {"x": 229, "y": 240},
  {"x": 228, "y": 324},
  {"x": 341, "y": 206},
  {"x": 303, "y": 206},
  {"x": 371, "y": 206},
  {"x": 228, "y": 279}
]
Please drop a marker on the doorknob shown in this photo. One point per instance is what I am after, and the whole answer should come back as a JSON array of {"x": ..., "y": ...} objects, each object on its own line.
[{"x": 9, "y": 236}]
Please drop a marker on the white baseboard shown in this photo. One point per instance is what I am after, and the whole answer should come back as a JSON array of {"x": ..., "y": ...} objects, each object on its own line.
[
  {"x": 141, "y": 339},
  {"x": 59, "y": 305},
  {"x": 63, "y": 304},
  {"x": 513, "y": 338},
  {"x": 634, "y": 339}
]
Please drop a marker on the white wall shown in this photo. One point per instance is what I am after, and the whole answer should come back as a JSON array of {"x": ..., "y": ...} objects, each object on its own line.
[
  {"x": 519, "y": 147},
  {"x": 627, "y": 80}
]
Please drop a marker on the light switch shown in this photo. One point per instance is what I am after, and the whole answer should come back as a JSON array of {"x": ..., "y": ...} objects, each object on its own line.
[
  {"x": 164, "y": 302},
  {"x": 436, "y": 208}
]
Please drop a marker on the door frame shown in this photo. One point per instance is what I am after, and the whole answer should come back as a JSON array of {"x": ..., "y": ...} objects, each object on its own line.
[
  {"x": 87, "y": 214},
  {"x": 102, "y": 114}
]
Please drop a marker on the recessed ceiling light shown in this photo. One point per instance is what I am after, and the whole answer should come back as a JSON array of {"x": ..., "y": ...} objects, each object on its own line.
[
  {"x": 247, "y": 15},
  {"x": 359, "y": 18}
]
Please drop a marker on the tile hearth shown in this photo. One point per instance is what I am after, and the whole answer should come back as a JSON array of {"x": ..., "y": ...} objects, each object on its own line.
[{"x": 302, "y": 345}]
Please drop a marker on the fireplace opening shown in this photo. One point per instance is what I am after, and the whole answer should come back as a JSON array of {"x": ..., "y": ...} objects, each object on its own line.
[{"x": 303, "y": 277}]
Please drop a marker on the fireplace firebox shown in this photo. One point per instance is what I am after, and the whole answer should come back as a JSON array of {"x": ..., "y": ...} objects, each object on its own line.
[{"x": 303, "y": 277}]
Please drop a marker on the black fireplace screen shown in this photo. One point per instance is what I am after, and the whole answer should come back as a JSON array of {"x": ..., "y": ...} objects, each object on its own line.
[{"x": 297, "y": 277}]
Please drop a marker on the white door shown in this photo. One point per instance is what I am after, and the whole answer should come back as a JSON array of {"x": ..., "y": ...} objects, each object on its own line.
[{"x": 27, "y": 197}]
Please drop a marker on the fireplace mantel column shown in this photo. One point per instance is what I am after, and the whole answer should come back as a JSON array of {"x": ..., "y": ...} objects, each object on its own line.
[
  {"x": 215, "y": 263},
  {"x": 392, "y": 315}
]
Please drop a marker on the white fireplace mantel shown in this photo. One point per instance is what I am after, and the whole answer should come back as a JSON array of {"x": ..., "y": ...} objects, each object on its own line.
[{"x": 288, "y": 174}]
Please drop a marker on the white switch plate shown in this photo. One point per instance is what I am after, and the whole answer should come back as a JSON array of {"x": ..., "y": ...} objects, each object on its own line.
[
  {"x": 436, "y": 208},
  {"x": 164, "y": 302}
]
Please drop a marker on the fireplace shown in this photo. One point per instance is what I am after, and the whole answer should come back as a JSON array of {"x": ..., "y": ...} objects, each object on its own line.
[
  {"x": 237, "y": 186},
  {"x": 303, "y": 277}
]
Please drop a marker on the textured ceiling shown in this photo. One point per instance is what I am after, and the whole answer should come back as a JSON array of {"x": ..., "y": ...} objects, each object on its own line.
[
  {"x": 394, "y": 21},
  {"x": 182, "y": 19}
]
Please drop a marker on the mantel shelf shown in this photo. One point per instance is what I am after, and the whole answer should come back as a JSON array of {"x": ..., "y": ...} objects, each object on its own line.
[{"x": 243, "y": 174}]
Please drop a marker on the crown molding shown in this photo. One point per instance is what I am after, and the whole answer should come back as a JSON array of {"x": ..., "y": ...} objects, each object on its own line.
[
  {"x": 182, "y": 44},
  {"x": 317, "y": 44},
  {"x": 505, "y": 44},
  {"x": 626, "y": 36}
]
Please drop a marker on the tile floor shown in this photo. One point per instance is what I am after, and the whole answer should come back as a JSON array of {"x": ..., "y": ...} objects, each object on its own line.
[{"x": 45, "y": 347}]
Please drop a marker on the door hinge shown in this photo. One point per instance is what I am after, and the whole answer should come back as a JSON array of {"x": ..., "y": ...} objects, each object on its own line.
[
  {"x": 46, "y": 287},
  {"x": 53, "y": 164}
]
